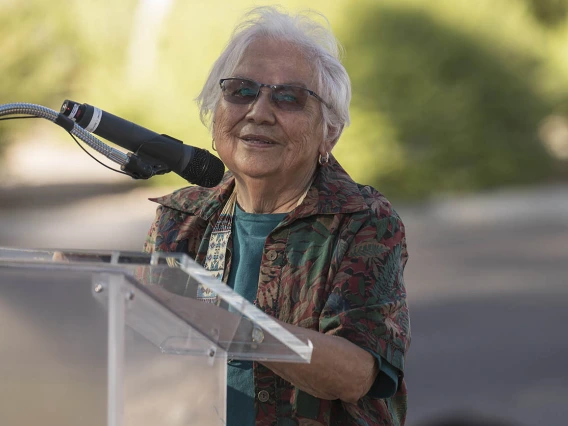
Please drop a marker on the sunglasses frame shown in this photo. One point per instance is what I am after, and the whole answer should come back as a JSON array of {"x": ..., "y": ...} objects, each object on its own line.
[{"x": 272, "y": 88}]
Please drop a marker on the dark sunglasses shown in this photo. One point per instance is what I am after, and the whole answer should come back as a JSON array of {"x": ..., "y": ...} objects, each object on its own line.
[{"x": 288, "y": 98}]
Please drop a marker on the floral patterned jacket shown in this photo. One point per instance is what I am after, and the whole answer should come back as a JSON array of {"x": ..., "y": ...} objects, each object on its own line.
[{"x": 334, "y": 264}]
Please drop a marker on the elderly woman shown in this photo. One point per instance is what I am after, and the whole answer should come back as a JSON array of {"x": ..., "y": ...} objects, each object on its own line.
[{"x": 293, "y": 233}]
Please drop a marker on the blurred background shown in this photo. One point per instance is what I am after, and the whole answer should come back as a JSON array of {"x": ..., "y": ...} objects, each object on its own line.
[{"x": 459, "y": 116}]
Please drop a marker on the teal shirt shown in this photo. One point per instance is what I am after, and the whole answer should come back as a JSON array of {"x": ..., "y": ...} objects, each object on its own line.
[{"x": 249, "y": 236}]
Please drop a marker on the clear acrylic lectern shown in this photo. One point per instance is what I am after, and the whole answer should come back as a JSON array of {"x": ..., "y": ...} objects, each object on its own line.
[{"x": 119, "y": 338}]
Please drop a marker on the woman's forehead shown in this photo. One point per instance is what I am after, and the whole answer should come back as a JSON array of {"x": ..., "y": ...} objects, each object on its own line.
[{"x": 275, "y": 62}]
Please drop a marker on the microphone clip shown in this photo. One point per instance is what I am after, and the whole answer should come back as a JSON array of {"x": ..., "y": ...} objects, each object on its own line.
[
  {"x": 137, "y": 168},
  {"x": 146, "y": 161}
]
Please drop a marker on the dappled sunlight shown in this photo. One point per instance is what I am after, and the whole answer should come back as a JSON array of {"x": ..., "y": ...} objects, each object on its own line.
[{"x": 453, "y": 88}]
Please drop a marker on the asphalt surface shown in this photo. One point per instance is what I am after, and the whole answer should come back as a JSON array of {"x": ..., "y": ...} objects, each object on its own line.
[
  {"x": 487, "y": 282},
  {"x": 488, "y": 287}
]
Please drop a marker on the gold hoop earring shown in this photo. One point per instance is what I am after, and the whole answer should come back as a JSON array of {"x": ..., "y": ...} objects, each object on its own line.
[
  {"x": 213, "y": 145},
  {"x": 324, "y": 160}
]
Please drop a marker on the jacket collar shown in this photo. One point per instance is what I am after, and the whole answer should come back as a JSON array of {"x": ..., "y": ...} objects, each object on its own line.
[{"x": 332, "y": 192}]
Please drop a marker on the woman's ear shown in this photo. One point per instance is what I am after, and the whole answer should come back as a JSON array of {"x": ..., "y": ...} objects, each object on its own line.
[{"x": 333, "y": 134}]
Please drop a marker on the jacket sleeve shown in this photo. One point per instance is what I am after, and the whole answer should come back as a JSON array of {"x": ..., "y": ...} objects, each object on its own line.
[
  {"x": 152, "y": 236},
  {"x": 367, "y": 302}
]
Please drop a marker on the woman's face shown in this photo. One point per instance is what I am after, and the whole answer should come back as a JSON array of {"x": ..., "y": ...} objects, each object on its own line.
[{"x": 261, "y": 141}]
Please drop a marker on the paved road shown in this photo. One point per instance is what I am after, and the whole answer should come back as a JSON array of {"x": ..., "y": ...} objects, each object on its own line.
[
  {"x": 488, "y": 285},
  {"x": 487, "y": 282}
]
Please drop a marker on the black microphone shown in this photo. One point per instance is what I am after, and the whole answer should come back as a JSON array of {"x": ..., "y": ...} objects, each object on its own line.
[{"x": 196, "y": 165}]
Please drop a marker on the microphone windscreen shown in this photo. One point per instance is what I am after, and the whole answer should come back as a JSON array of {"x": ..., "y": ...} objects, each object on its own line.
[{"x": 204, "y": 169}]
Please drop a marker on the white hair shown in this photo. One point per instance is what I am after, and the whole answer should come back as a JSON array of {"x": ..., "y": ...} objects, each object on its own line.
[{"x": 315, "y": 40}]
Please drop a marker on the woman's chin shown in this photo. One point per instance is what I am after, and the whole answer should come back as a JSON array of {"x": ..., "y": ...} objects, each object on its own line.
[
  {"x": 257, "y": 171},
  {"x": 257, "y": 174}
]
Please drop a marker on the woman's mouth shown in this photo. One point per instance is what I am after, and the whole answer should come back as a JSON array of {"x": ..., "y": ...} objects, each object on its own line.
[{"x": 257, "y": 140}]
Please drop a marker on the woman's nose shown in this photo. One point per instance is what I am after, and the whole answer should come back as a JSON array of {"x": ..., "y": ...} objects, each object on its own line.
[{"x": 262, "y": 109}]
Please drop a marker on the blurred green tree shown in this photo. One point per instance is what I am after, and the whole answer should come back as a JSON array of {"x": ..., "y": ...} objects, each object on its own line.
[
  {"x": 37, "y": 55},
  {"x": 436, "y": 106},
  {"x": 48, "y": 50},
  {"x": 438, "y": 110},
  {"x": 549, "y": 13}
]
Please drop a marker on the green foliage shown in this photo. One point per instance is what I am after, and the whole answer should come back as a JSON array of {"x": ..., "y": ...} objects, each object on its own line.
[
  {"x": 549, "y": 13},
  {"x": 37, "y": 54},
  {"x": 34, "y": 59},
  {"x": 448, "y": 94},
  {"x": 49, "y": 51},
  {"x": 437, "y": 109}
]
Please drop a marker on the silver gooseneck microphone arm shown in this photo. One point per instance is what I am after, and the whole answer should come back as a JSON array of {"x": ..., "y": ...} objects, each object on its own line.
[{"x": 112, "y": 154}]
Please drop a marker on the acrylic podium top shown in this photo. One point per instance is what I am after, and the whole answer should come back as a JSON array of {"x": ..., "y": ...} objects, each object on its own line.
[{"x": 175, "y": 282}]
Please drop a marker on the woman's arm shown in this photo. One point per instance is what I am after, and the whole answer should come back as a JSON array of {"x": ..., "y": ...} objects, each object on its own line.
[
  {"x": 339, "y": 369},
  {"x": 366, "y": 309}
]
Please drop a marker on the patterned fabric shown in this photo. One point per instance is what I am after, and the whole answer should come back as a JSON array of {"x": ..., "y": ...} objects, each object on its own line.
[
  {"x": 218, "y": 242},
  {"x": 334, "y": 264}
]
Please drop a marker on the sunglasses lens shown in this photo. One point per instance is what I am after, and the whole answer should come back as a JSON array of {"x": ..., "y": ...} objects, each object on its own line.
[
  {"x": 290, "y": 98},
  {"x": 239, "y": 91},
  {"x": 287, "y": 98}
]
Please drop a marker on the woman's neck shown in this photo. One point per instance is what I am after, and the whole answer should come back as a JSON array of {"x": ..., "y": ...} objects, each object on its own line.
[{"x": 261, "y": 196}]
